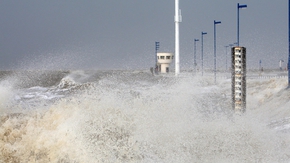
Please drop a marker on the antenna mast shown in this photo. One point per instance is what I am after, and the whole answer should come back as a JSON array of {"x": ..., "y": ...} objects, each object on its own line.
[{"x": 177, "y": 20}]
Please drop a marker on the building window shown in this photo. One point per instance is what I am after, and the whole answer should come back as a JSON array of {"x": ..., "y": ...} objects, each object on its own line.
[
  {"x": 238, "y": 83},
  {"x": 238, "y": 88},
  {"x": 238, "y": 78},
  {"x": 238, "y": 105},
  {"x": 238, "y": 99},
  {"x": 238, "y": 50},
  {"x": 161, "y": 57},
  {"x": 167, "y": 57}
]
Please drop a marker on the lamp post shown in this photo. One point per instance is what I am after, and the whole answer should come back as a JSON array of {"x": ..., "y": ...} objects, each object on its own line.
[
  {"x": 227, "y": 57},
  {"x": 238, "y": 21},
  {"x": 215, "y": 23},
  {"x": 280, "y": 64},
  {"x": 156, "y": 61},
  {"x": 202, "y": 33},
  {"x": 289, "y": 44},
  {"x": 194, "y": 55}
]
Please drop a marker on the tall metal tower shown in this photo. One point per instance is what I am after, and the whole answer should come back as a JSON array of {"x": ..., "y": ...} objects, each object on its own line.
[
  {"x": 177, "y": 20},
  {"x": 239, "y": 79}
]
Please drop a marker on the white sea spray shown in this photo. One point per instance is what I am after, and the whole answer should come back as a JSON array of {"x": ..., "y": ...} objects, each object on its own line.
[{"x": 126, "y": 116}]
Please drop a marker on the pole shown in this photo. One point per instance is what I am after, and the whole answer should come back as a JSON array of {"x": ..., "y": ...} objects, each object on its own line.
[
  {"x": 289, "y": 44},
  {"x": 201, "y": 53},
  {"x": 202, "y": 33},
  {"x": 215, "y": 23},
  {"x": 238, "y": 25},
  {"x": 177, "y": 20},
  {"x": 226, "y": 57},
  {"x": 238, "y": 22},
  {"x": 156, "y": 51},
  {"x": 194, "y": 55},
  {"x": 214, "y": 52}
]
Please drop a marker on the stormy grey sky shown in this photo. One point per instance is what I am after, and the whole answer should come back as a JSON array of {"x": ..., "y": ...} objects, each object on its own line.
[{"x": 115, "y": 34}]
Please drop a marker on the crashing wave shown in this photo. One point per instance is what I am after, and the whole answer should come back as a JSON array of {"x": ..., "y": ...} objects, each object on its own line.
[{"x": 66, "y": 83}]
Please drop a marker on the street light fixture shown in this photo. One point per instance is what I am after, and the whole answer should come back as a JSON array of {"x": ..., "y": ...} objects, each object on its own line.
[
  {"x": 202, "y": 33},
  {"x": 238, "y": 21},
  {"x": 194, "y": 55},
  {"x": 215, "y": 23}
]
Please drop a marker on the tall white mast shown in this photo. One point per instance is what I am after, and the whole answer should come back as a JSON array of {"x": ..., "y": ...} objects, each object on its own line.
[{"x": 177, "y": 20}]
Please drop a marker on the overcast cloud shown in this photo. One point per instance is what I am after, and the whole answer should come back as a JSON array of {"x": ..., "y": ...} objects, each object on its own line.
[{"x": 114, "y": 34}]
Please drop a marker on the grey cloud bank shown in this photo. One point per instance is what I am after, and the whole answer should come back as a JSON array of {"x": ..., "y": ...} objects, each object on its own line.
[{"x": 115, "y": 34}]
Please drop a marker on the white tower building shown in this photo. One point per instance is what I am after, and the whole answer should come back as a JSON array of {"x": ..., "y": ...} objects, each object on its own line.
[{"x": 163, "y": 61}]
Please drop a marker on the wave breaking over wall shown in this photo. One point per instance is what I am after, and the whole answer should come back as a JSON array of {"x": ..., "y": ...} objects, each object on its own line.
[{"x": 122, "y": 116}]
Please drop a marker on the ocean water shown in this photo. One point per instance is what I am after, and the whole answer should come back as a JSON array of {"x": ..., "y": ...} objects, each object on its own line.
[{"x": 133, "y": 116}]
